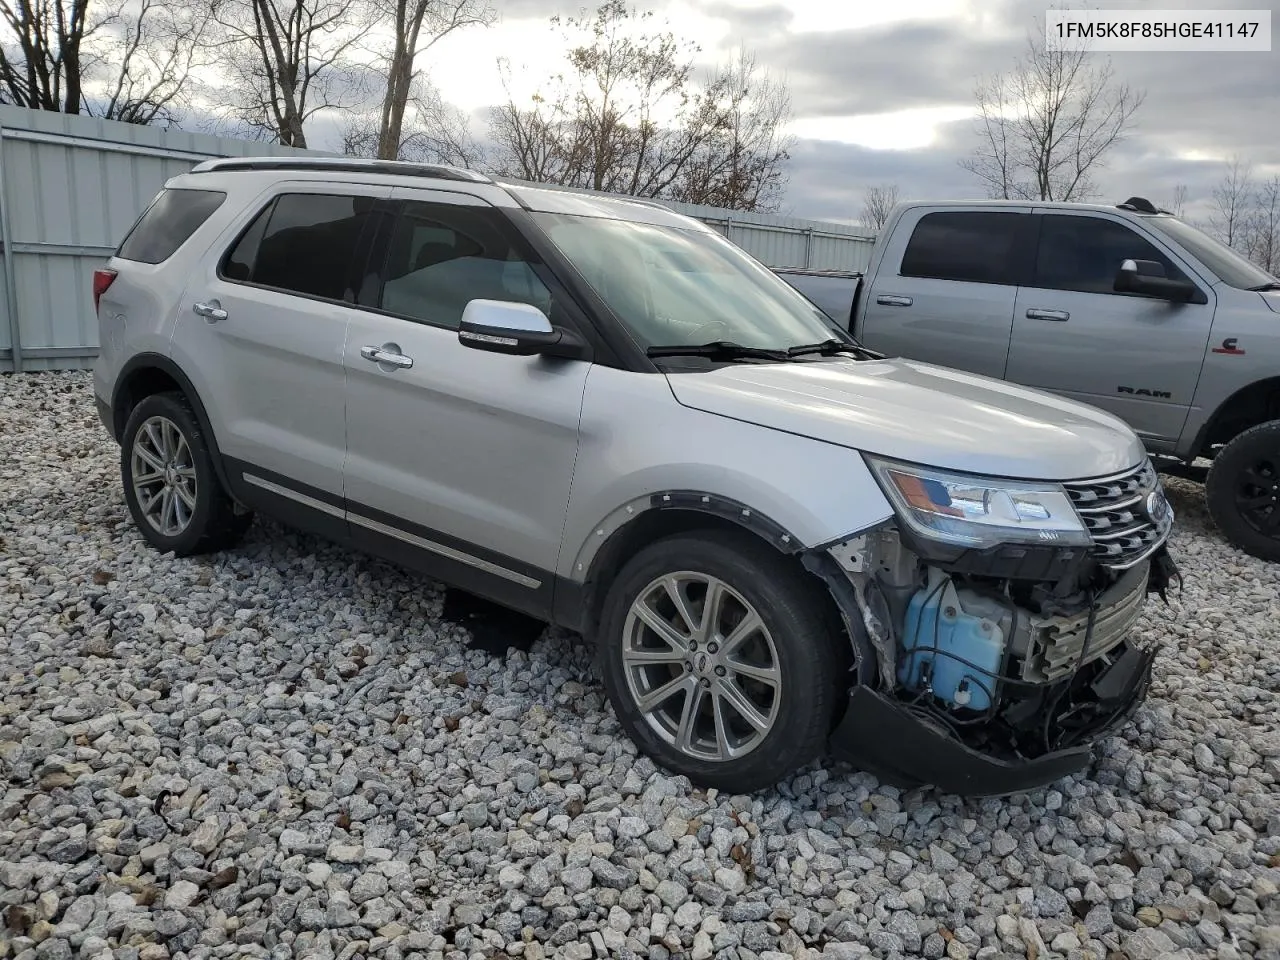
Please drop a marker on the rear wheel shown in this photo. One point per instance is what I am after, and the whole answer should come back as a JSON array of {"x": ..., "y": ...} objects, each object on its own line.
[
  {"x": 1243, "y": 491},
  {"x": 719, "y": 661},
  {"x": 170, "y": 483}
]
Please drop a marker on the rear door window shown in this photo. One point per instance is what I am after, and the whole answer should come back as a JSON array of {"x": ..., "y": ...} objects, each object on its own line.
[
  {"x": 972, "y": 246},
  {"x": 1084, "y": 254},
  {"x": 168, "y": 223},
  {"x": 304, "y": 243}
]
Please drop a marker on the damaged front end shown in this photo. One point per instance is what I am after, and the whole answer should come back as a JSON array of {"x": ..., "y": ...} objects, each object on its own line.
[{"x": 988, "y": 671}]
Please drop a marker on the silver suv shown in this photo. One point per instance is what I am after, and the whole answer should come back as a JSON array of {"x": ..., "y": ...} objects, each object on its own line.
[{"x": 607, "y": 416}]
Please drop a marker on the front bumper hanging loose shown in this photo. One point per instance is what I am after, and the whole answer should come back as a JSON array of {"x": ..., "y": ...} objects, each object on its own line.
[{"x": 882, "y": 736}]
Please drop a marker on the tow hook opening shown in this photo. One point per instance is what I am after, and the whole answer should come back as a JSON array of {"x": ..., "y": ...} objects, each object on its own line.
[{"x": 1001, "y": 681}]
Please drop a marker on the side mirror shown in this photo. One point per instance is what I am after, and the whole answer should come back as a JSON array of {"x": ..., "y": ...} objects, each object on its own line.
[
  {"x": 500, "y": 326},
  {"x": 1148, "y": 277}
]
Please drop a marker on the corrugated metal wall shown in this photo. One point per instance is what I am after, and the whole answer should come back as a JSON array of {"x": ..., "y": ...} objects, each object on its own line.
[{"x": 70, "y": 187}]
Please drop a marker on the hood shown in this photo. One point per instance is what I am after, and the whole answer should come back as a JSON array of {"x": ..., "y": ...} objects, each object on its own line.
[
  {"x": 1272, "y": 299},
  {"x": 920, "y": 413}
]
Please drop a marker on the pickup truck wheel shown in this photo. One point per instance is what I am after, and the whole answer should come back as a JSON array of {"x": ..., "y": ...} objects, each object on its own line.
[
  {"x": 1243, "y": 491},
  {"x": 719, "y": 662},
  {"x": 170, "y": 485}
]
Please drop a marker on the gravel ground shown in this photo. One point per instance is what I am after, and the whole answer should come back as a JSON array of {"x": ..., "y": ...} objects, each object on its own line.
[{"x": 285, "y": 750}]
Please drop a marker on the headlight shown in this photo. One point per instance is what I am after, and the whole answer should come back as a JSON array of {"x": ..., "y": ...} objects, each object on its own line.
[{"x": 973, "y": 511}]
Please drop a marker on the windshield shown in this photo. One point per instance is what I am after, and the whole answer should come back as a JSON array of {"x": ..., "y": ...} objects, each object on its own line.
[
  {"x": 683, "y": 287},
  {"x": 1231, "y": 268}
]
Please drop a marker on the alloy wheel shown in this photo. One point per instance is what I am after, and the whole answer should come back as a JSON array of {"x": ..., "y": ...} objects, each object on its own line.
[
  {"x": 163, "y": 474},
  {"x": 701, "y": 666}
]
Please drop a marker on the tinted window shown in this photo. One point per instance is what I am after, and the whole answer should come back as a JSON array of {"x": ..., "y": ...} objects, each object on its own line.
[
  {"x": 1231, "y": 268},
  {"x": 168, "y": 223},
  {"x": 238, "y": 264},
  {"x": 1085, "y": 253},
  {"x": 304, "y": 243},
  {"x": 442, "y": 257},
  {"x": 977, "y": 247}
]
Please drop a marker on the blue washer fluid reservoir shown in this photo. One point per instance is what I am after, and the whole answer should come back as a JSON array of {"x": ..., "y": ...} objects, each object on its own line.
[{"x": 936, "y": 632}]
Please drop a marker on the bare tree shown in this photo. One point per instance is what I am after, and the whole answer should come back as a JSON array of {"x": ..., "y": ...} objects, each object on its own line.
[
  {"x": 415, "y": 27},
  {"x": 161, "y": 45},
  {"x": 41, "y": 55},
  {"x": 1178, "y": 206},
  {"x": 1261, "y": 242},
  {"x": 628, "y": 116},
  {"x": 130, "y": 60},
  {"x": 1048, "y": 124},
  {"x": 284, "y": 61},
  {"x": 432, "y": 131},
  {"x": 739, "y": 162},
  {"x": 877, "y": 202},
  {"x": 1232, "y": 198}
]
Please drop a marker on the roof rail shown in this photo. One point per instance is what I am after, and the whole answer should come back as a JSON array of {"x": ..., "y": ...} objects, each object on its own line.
[
  {"x": 343, "y": 165},
  {"x": 584, "y": 192}
]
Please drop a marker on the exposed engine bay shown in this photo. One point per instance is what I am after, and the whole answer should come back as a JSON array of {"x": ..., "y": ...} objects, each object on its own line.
[{"x": 1013, "y": 668}]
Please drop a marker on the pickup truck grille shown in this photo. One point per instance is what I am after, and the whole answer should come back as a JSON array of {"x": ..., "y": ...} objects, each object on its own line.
[{"x": 1118, "y": 513}]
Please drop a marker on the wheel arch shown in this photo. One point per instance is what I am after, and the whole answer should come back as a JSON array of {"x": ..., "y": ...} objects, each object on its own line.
[
  {"x": 1256, "y": 403},
  {"x": 147, "y": 374},
  {"x": 649, "y": 519}
]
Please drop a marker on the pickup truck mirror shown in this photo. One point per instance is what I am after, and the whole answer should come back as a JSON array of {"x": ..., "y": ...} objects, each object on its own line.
[
  {"x": 500, "y": 326},
  {"x": 1148, "y": 277}
]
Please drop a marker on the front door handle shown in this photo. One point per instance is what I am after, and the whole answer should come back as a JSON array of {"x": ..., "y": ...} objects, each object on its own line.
[
  {"x": 1058, "y": 315},
  {"x": 211, "y": 311},
  {"x": 893, "y": 301},
  {"x": 389, "y": 354}
]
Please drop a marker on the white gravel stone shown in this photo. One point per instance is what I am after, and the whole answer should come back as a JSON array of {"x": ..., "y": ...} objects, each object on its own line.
[{"x": 285, "y": 744}]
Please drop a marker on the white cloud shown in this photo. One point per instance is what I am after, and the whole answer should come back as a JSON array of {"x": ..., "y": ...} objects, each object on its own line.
[{"x": 896, "y": 130}]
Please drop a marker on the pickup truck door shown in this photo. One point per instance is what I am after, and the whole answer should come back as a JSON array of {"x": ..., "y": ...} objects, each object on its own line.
[
  {"x": 1133, "y": 355},
  {"x": 944, "y": 288}
]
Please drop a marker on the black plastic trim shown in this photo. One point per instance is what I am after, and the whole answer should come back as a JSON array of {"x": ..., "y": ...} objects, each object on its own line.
[
  {"x": 397, "y": 168},
  {"x": 158, "y": 361},
  {"x": 287, "y": 510},
  {"x": 879, "y": 735},
  {"x": 728, "y": 509}
]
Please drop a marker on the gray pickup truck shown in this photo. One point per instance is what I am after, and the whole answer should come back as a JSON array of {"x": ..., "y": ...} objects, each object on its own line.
[{"x": 1123, "y": 307}]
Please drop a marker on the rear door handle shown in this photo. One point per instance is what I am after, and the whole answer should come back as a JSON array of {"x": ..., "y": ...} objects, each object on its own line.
[
  {"x": 892, "y": 301},
  {"x": 1059, "y": 315},
  {"x": 211, "y": 311},
  {"x": 389, "y": 354}
]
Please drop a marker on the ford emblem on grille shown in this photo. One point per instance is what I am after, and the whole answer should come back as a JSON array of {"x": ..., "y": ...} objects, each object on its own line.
[{"x": 1157, "y": 507}]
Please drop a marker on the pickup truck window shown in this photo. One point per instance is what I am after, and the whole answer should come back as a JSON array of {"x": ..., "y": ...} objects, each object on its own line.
[
  {"x": 1085, "y": 253},
  {"x": 973, "y": 246},
  {"x": 1227, "y": 265}
]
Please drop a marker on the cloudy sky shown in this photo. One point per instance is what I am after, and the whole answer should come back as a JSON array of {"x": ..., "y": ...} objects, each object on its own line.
[{"x": 883, "y": 91}]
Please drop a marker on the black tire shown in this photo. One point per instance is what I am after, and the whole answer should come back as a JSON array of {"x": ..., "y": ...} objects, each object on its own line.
[
  {"x": 812, "y": 657},
  {"x": 1243, "y": 491},
  {"x": 212, "y": 523}
]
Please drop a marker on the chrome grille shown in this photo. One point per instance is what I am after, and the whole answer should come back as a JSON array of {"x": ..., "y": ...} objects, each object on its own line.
[{"x": 1114, "y": 510}]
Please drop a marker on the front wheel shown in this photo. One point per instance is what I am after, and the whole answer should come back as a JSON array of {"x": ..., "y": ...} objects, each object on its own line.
[
  {"x": 1243, "y": 491},
  {"x": 720, "y": 661}
]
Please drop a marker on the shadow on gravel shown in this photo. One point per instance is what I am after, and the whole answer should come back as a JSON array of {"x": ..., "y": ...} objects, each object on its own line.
[{"x": 493, "y": 628}]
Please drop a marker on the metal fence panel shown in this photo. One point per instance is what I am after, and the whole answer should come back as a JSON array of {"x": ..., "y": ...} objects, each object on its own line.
[{"x": 70, "y": 186}]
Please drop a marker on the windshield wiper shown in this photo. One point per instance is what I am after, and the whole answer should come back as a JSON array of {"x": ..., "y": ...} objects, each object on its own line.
[
  {"x": 1263, "y": 287},
  {"x": 719, "y": 350},
  {"x": 829, "y": 348}
]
